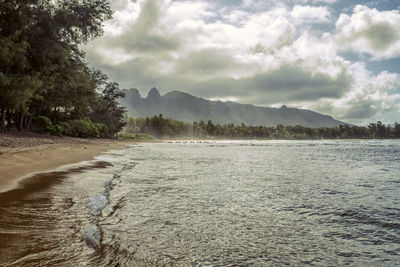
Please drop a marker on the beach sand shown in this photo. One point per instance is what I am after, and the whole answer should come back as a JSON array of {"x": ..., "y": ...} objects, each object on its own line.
[{"x": 24, "y": 154}]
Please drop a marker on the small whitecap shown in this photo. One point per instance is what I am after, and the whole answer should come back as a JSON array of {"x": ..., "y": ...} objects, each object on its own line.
[
  {"x": 93, "y": 236},
  {"x": 108, "y": 185},
  {"x": 97, "y": 204}
]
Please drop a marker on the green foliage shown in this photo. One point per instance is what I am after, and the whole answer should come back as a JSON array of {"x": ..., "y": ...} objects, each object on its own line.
[
  {"x": 167, "y": 128},
  {"x": 15, "y": 88},
  {"x": 43, "y": 72},
  {"x": 44, "y": 125},
  {"x": 76, "y": 128},
  {"x": 65, "y": 128},
  {"x": 83, "y": 128},
  {"x": 58, "y": 130},
  {"x": 136, "y": 136},
  {"x": 103, "y": 130},
  {"x": 106, "y": 109}
]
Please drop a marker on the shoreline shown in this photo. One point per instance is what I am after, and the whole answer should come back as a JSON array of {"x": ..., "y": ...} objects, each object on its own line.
[{"x": 24, "y": 155}]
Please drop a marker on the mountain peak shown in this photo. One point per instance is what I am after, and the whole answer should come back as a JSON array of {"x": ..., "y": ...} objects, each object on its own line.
[
  {"x": 182, "y": 106},
  {"x": 132, "y": 92},
  {"x": 153, "y": 94},
  {"x": 132, "y": 95}
]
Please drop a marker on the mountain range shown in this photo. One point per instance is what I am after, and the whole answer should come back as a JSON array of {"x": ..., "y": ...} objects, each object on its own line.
[{"x": 182, "y": 106}]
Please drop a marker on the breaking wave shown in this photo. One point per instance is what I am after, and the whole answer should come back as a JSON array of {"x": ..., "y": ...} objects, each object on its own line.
[{"x": 96, "y": 205}]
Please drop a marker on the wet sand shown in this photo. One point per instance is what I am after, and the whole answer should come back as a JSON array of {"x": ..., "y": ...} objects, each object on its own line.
[{"x": 22, "y": 155}]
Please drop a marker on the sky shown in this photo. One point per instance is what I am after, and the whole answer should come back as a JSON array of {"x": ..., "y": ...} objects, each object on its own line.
[{"x": 336, "y": 57}]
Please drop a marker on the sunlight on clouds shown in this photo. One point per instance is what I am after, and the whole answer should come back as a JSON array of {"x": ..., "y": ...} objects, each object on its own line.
[
  {"x": 114, "y": 56},
  {"x": 264, "y": 3},
  {"x": 371, "y": 94},
  {"x": 311, "y": 13},
  {"x": 180, "y": 11},
  {"x": 125, "y": 13},
  {"x": 369, "y": 31},
  {"x": 263, "y": 56},
  {"x": 319, "y": 1}
]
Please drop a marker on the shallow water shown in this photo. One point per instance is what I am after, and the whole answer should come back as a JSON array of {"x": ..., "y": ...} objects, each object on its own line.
[{"x": 238, "y": 203}]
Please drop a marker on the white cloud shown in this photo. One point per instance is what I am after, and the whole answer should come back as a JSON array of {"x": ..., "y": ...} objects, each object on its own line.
[
  {"x": 180, "y": 11},
  {"x": 265, "y": 3},
  {"x": 253, "y": 57},
  {"x": 369, "y": 31},
  {"x": 370, "y": 95},
  {"x": 225, "y": 99},
  {"x": 119, "y": 4},
  {"x": 311, "y": 13},
  {"x": 319, "y": 1}
]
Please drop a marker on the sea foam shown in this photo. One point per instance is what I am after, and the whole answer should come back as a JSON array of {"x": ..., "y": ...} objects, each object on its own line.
[
  {"x": 96, "y": 205},
  {"x": 93, "y": 236}
]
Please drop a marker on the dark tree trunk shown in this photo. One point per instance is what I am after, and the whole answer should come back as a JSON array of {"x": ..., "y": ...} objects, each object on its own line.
[
  {"x": 9, "y": 119},
  {"x": 29, "y": 124},
  {"x": 21, "y": 121},
  {"x": 18, "y": 116},
  {"x": 55, "y": 115},
  {"x": 32, "y": 114},
  {"x": 26, "y": 121},
  {"x": 3, "y": 120}
]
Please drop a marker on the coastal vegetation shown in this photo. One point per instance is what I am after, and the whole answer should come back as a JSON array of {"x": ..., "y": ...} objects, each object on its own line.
[
  {"x": 45, "y": 83},
  {"x": 161, "y": 127}
]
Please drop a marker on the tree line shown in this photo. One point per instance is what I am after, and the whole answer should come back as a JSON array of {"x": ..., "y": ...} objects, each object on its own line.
[
  {"x": 161, "y": 127},
  {"x": 45, "y": 83}
]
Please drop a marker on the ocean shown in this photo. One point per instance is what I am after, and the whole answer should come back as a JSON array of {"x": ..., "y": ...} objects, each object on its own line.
[{"x": 216, "y": 203}]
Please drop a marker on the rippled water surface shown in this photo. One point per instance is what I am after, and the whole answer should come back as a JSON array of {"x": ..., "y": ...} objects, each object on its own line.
[{"x": 239, "y": 203}]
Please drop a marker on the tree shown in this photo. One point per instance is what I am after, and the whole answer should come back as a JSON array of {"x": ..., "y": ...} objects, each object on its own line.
[
  {"x": 210, "y": 128},
  {"x": 42, "y": 69},
  {"x": 60, "y": 27},
  {"x": 380, "y": 130},
  {"x": 18, "y": 81},
  {"x": 396, "y": 130},
  {"x": 106, "y": 109}
]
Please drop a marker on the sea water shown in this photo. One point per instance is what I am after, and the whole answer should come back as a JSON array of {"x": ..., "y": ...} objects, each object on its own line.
[{"x": 222, "y": 203}]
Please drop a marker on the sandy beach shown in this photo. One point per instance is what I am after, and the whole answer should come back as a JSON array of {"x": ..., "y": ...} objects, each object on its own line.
[{"x": 24, "y": 154}]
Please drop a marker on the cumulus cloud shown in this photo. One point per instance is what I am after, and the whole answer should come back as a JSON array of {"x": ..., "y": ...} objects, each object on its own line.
[
  {"x": 263, "y": 3},
  {"x": 321, "y": 1},
  {"x": 311, "y": 13},
  {"x": 370, "y": 95},
  {"x": 256, "y": 57},
  {"x": 369, "y": 31}
]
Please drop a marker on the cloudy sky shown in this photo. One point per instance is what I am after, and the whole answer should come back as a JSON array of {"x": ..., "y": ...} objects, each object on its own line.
[{"x": 337, "y": 57}]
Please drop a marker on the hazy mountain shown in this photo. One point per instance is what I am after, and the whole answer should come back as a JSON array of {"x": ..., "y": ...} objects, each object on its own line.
[{"x": 185, "y": 107}]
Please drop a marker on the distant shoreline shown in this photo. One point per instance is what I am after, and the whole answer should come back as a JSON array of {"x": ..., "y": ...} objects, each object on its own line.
[
  {"x": 22, "y": 155},
  {"x": 203, "y": 140}
]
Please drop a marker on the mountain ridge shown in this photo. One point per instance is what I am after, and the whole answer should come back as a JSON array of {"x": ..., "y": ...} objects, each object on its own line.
[{"x": 189, "y": 108}]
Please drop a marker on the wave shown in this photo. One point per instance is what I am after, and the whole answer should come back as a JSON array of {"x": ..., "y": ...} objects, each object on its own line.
[
  {"x": 96, "y": 205},
  {"x": 93, "y": 236}
]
